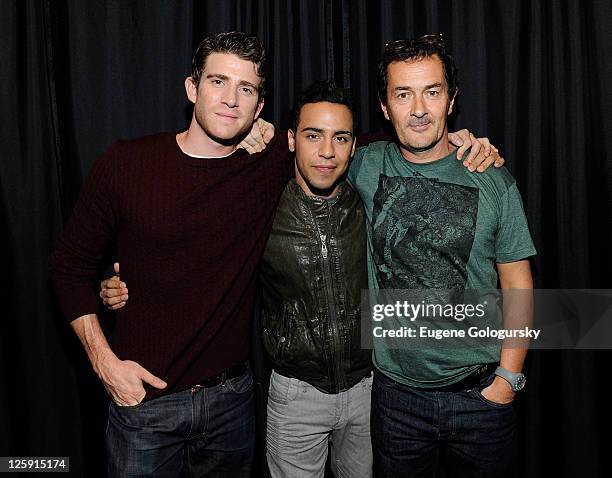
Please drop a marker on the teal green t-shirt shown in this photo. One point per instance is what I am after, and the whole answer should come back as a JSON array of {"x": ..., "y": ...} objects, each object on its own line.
[{"x": 436, "y": 226}]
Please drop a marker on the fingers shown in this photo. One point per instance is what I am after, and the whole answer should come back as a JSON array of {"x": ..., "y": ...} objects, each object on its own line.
[
  {"x": 113, "y": 293},
  {"x": 151, "y": 379},
  {"x": 126, "y": 398},
  {"x": 112, "y": 287},
  {"x": 122, "y": 381},
  {"x": 457, "y": 137},
  {"x": 460, "y": 152},
  {"x": 250, "y": 147},
  {"x": 256, "y": 139},
  {"x": 115, "y": 304},
  {"x": 486, "y": 146},
  {"x": 482, "y": 155},
  {"x": 116, "y": 268},
  {"x": 495, "y": 159},
  {"x": 253, "y": 142},
  {"x": 492, "y": 154},
  {"x": 112, "y": 283},
  {"x": 248, "y": 144},
  {"x": 266, "y": 129},
  {"x": 488, "y": 161},
  {"x": 475, "y": 151},
  {"x": 461, "y": 139},
  {"x": 499, "y": 161},
  {"x": 488, "y": 155},
  {"x": 482, "y": 162}
]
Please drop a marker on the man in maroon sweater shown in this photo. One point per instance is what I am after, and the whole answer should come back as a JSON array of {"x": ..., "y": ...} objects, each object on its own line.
[{"x": 189, "y": 215}]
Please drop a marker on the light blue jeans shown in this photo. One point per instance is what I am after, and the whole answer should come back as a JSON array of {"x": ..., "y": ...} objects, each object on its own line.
[{"x": 302, "y": 421}]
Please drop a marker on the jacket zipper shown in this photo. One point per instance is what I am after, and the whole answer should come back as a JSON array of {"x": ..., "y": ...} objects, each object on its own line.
[{"x": 335, "y": 332}]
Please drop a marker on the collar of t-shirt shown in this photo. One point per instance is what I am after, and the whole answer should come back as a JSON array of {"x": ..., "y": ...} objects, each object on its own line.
[{"x": 210, "y": 157}]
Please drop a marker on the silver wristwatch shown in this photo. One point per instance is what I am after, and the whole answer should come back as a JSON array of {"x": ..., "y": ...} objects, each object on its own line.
[{"x": 516, "y": 380}]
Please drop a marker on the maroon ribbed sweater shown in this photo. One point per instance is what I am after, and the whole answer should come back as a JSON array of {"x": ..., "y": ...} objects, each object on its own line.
[{"x": 189, "y": 234}]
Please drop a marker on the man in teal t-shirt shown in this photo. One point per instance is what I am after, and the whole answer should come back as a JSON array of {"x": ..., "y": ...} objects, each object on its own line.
[{"x": 432, "y": 225}]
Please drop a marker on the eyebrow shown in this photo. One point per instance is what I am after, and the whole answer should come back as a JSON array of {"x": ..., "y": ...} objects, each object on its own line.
[
  {"x": 214, "y": 75},
  {"x": 226, "y": 78},
  {"x": 319, "y": 130},
  {"x": 427, "y": 87},
  {"x": 247, "y": 83}
]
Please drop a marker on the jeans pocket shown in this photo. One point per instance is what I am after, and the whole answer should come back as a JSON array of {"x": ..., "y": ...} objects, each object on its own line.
[
  {"x": 130, "y": 415},
  {"x": 366, "y": 382},
  {"x": 128, "y": 407},
  {"x": 282, "y": 389},
  {"x": 477, "y": 392},
  {"x": 242, "y": 384}
]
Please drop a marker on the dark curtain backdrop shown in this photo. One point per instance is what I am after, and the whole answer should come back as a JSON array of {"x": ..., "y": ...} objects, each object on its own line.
[{"x": 536, "y": 77}]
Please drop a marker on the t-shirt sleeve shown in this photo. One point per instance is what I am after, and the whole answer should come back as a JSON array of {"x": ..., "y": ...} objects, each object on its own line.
[
  {"x": 355, "y": 166},
  {"x": 513, "y": 241},
  {"x": 88, "y": 236}
]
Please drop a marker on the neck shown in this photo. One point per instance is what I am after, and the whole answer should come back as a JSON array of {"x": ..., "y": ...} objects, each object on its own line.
[
  {"x": 196, "y": 142},
  {"x": 437, "y": 151}
]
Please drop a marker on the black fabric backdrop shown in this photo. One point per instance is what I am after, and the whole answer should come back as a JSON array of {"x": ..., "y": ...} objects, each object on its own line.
[{"x": 536, "y": 77}]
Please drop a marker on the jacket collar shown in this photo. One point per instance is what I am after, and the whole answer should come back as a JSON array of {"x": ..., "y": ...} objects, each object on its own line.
[{"x": 296, "y": 190}]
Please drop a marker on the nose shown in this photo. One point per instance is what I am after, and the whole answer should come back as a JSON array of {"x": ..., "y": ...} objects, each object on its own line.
[
  {"x": 230, "y": 97},
  {"x": 418, "y": 107},
  {"x": 326, "y": 148}
]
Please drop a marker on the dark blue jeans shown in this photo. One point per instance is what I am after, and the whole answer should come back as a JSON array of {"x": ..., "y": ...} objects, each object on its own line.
[
  {"x": 412, "y": 429},
  {"x": 200, "y": 432}
]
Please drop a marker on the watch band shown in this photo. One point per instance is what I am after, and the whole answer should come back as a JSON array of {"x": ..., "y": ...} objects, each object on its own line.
[{"x": 515, "y": 379}]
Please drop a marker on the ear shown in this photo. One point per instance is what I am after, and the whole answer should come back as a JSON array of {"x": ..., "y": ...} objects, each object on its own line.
[
  {"x": 452, "y": 103},
  {"x": 383, "y": 107},
  {"x": 259, "y": 108},
  {"x": 191, "y": 89},
  {"x": 353, "y": 148},
  {"x": 291, "y": 140}
]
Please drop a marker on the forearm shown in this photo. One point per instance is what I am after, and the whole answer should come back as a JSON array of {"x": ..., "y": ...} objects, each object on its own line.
[
  {"x": 517, "y": 290},
  {"x": 518, "y": 314},
  {"x": 512, "y": 359},
  {"x": 87, "y": 328}
]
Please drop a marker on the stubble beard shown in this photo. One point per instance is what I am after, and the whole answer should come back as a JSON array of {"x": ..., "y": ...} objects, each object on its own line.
[
  {"x": 233, "y": 141},
  {"x": 421, "y": 149}
]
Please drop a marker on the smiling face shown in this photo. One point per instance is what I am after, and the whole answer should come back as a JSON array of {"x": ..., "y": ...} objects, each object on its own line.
[
  {"x": 226, "y": 99},
  {"x": 418, "y": 105},
  {"x": 323, "y": 144}
]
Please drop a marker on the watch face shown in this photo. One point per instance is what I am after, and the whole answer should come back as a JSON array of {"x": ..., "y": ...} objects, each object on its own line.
[{"x": 519, "y": 383}]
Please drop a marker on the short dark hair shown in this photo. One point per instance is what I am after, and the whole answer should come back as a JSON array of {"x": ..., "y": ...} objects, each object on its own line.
[
  {"x": 245, "y": 46},
  {"x": 318, "y": 92},
  {"x": 417, "y": 49}
]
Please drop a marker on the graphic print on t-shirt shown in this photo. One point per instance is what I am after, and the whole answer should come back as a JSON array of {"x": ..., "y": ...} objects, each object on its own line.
[{"x": 422, "y": 232}]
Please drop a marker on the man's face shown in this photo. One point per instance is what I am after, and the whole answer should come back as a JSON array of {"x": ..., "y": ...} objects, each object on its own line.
[
  {"x": 226, "y": 100},
  {"x": 323, "y": 145},
  {"x": 418, "y": 104}
]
